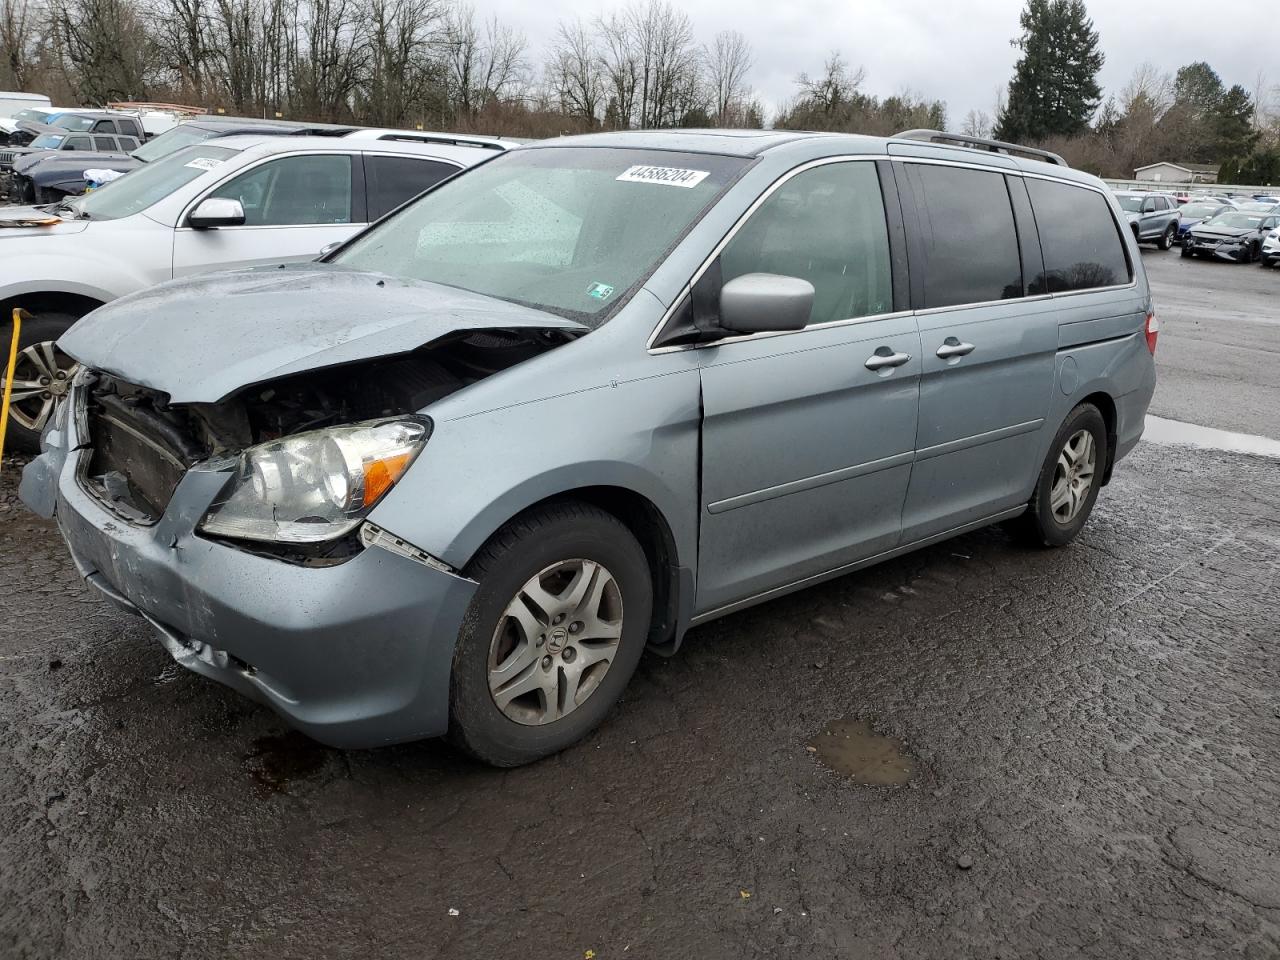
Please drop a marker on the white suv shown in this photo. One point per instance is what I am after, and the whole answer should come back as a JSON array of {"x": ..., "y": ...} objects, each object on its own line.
[{"x": 230, "y": 202}]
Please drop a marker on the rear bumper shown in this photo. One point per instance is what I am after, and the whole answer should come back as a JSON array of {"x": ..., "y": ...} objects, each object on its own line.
[{"x": 355, "y": 655}]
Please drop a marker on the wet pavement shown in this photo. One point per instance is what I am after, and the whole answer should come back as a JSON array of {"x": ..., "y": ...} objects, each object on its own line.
[{"x": 1092, "y": 740}]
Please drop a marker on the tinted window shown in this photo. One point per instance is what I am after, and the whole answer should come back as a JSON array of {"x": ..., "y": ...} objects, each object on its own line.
[
  {"x": 128, "y": 143},
  {"x": 1078, "y": 236},
  {"x": 970, "y": 243},
  {"x": 104, "y": 143},
  {"x": 104, "y": 126},
  {"x": 393, "y": 180},
  {"x": 827, "y": 226},
  {"x": 78, "y": 143},
  {"x": 294, "y": 191}
]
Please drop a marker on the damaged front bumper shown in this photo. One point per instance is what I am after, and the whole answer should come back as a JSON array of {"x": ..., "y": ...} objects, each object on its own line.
[{"x": 355, "y": 654}]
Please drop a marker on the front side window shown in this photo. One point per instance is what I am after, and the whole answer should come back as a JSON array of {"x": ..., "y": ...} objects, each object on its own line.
[
  {"x": 391, "y": 181},
  {"x": 1078, "y": 237},
  {"x": 825, "y": 225},
  {"x": 294, "y": 191},
  {"x": 966, "y": 235},
  {"x": 104, "y": 144},
  {"x": 149, "y": 185},
  {"x": 77, "y": 124},
  {"x": 570, "y": 230}
]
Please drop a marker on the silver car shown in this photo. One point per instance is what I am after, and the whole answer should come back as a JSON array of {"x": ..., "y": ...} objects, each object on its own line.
[{"x": 458, "y": 476}]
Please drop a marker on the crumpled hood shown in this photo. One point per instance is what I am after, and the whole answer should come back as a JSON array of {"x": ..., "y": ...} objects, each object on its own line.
[
  {"x": 200, "y": 340},
  {"x": 1221, "y": 233},
  {"x": 65, "y": 162}
]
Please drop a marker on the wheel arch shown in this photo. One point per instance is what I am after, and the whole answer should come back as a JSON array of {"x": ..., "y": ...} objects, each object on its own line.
[
  {"x": 50, "y": 301},
  {"x": 1107, "y": 407}
]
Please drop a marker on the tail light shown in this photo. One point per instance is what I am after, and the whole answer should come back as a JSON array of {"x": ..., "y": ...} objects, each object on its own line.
[{"x": 1153, "y": 331}]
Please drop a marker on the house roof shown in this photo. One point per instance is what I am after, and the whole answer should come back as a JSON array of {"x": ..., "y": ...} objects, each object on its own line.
[{"x": 1189, "y": 167}]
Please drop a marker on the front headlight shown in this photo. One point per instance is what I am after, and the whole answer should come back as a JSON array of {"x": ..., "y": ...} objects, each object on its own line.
[{"x": 315, "y": 486}]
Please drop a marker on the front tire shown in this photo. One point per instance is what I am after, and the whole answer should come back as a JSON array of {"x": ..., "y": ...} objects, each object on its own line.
[
  {"x": 1069, "y": 481},
  {"x": 552, "y": 636},
  {"x": 1186, "y": 249},
  {"x": 41, "y": 376},
  {"x": 1167, "y": 238}
]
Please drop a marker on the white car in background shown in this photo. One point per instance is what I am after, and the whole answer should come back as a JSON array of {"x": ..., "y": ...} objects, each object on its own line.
[{"x": 231, "y": 202}]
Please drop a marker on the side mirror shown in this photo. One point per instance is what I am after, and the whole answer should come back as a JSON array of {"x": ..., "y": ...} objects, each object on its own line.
[
  {"x": 217, "y": 212},
  {"x": 1149, "y": 207},
  {"x": 764, "y": 303},
  {"x": 328, "y": 248}
]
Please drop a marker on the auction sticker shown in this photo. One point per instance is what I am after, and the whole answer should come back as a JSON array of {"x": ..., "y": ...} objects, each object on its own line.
[
  {"x": 667, "y": 176},
  {"x": 204, "y": 163}
]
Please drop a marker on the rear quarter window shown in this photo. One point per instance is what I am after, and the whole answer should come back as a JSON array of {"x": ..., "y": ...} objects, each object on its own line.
[{"x": 1079, "y": 238}]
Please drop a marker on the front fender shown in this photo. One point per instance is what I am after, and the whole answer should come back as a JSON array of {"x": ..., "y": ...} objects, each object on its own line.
[
  {"x": 479, "y": 471},
  {"x": 29, "y": 273}
]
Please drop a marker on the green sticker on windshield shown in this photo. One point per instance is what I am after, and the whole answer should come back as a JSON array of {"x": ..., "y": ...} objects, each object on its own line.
[{"x": 600, "y": 291}]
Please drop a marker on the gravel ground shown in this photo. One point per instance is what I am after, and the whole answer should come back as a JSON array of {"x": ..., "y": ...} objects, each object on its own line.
[{"x": 1092, "y": 736}]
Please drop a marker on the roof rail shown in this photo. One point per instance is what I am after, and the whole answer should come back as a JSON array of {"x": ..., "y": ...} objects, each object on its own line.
[
  {"x": 411, "y": 136},
  {"x": 981, "y": 143}
]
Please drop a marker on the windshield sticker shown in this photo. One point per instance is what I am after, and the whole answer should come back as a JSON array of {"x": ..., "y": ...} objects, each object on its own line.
[
  {"x": 600, "y": 291},
  {"x": 667, "y": 176},
  {"x": 204, "y": 163}
]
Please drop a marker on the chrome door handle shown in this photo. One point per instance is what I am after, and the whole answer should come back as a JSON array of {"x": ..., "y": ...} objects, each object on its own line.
[
  {"x": 879, "y": 361},
  {"x": 951, "y": 347}
]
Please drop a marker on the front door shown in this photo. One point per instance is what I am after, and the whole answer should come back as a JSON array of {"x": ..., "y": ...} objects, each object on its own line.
[
  {"x": 293, "y": 207},
  {"x": 808, "y": 436}
]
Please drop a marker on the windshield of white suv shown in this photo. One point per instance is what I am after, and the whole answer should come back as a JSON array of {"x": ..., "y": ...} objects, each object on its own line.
[
  {"x": 149, "y": 185},
  {"x": 183, "y": 135},
  {"x": 570, "y": 230}
]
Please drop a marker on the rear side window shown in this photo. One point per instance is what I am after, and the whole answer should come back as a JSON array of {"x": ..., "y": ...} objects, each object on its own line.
[
  {"x": 78, "y": 143},
  {"x": 1079, "y": 238},
  {"x": 966, "y": 235},
  {"x": 393, "y": 180},
  {"x": 105, "y": 144}
]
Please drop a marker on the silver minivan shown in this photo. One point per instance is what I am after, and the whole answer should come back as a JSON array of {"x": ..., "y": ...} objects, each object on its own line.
[{"x": 459, "y": 475}]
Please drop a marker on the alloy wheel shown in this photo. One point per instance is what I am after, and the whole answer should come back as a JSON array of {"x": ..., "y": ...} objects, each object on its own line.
[
  {"x": 1073, "y": 476},
  {"x": 555, "y": 641},
  {"x": 41, "y": 377}
]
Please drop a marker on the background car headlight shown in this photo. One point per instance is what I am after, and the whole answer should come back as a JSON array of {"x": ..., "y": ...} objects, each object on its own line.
[{"x": 315, "y": 486}]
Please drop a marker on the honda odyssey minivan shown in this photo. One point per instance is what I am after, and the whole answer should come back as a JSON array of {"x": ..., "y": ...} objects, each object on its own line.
[{"x": 455, "y": 478}]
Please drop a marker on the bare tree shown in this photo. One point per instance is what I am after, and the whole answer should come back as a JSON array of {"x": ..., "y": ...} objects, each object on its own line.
[
  {"x": 977, "y": 123},
  {"x": 576, "y": 73},
  {"x": 106, "y": 49},
  {"x": 728, "y": 60},
  {"x": 483, "y": 67},
  {"x": 1148, "y": 90},
  {"x": 401, "y": 70},
  {"x": 18, "y": 20},
  {"x": 668, "y": 62},
  {"x": 621, "y": 69},
  {"x": 835, "y": 88}
]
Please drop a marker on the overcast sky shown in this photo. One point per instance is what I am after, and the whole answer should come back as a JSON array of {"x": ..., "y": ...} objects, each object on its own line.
[{"x": 955, "y": 50}]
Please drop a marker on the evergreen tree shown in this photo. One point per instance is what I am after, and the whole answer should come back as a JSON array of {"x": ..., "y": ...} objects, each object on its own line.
[
  {"x": 1054, "y": 91},
  {"x": 1233, "y": 131},
  {"x": 1198, "y": 85}
]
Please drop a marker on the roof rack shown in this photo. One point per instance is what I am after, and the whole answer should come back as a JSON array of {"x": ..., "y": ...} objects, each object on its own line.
[
  {"x": 413, "y": 136},
  {"x": 981, "y": 143}
]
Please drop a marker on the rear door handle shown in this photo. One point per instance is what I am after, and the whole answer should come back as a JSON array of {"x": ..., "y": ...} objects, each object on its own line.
[
  {"x": 884, "y": 358},
  {"x": 952, "y": 347}
]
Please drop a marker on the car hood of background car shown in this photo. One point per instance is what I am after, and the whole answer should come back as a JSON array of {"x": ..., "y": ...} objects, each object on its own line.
[
  {"x": 201, "y": 340},
  {"x": 1221, "y": 233},
  {"x": 72, "y": 163}
]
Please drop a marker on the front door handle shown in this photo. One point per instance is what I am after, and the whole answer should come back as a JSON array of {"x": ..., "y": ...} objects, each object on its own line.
[
  {"x": 884, "y": 358},
  {"x": 952, "y": 347}
]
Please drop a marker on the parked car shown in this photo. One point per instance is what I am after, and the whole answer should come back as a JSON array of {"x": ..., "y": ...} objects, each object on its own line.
[
  {"x": 79, "y": 152},
  {"x": 1197, "y": 211},
  {"x": 458, "y": 474},
  {"x": 49, "y": 178},
  {"x": 11, "y": 135},
  {"x": 1236, "y": 236},
  {"x": 1153, "y": 217},
  {"x": 1271, "y": 249},
  {"x": 12, "y": 102},
  {"x": 73, "y": 131},
  {"x": 231, "y": 202},
  {"x": 1258, "y": 206}
]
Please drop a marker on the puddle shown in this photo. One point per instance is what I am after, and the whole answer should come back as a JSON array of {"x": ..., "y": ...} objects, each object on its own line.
[
  {"x": 1174, "y": 432},
  {"x": 275, "y": 762},
  {"x": 852, "y": 749}
]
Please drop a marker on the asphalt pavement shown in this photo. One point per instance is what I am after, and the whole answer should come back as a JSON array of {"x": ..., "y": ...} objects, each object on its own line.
[{"x": 974, "y": 751}]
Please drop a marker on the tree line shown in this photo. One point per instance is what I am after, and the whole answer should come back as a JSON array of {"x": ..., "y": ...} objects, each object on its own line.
[{"x": 438, "y": 64}]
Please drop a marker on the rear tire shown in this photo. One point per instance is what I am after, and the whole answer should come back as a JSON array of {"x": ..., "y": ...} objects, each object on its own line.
[
  {"x": 566, "y": 665},
  {"x": 1167, "y": 238},
  {"x": 30, "y": 406},
  {"x": 1069, "y": 481}
]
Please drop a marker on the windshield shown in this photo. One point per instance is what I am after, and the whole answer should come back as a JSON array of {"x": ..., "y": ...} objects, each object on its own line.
[
  {"x": 171, "y": 141},
  {"x": 47, "y": 141},
  {"x": 1256, "y": 206},
  {"x": 1200, "y": 209},
  {"x": 564, "y": 229},
  {"x": 32, "y": 114},
  {"x": 1243, "y": 221},
  {"x": 148, "y": 185},
  {"x": 74, "y": 123},
  {"x": 1131, "y": 204}
]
